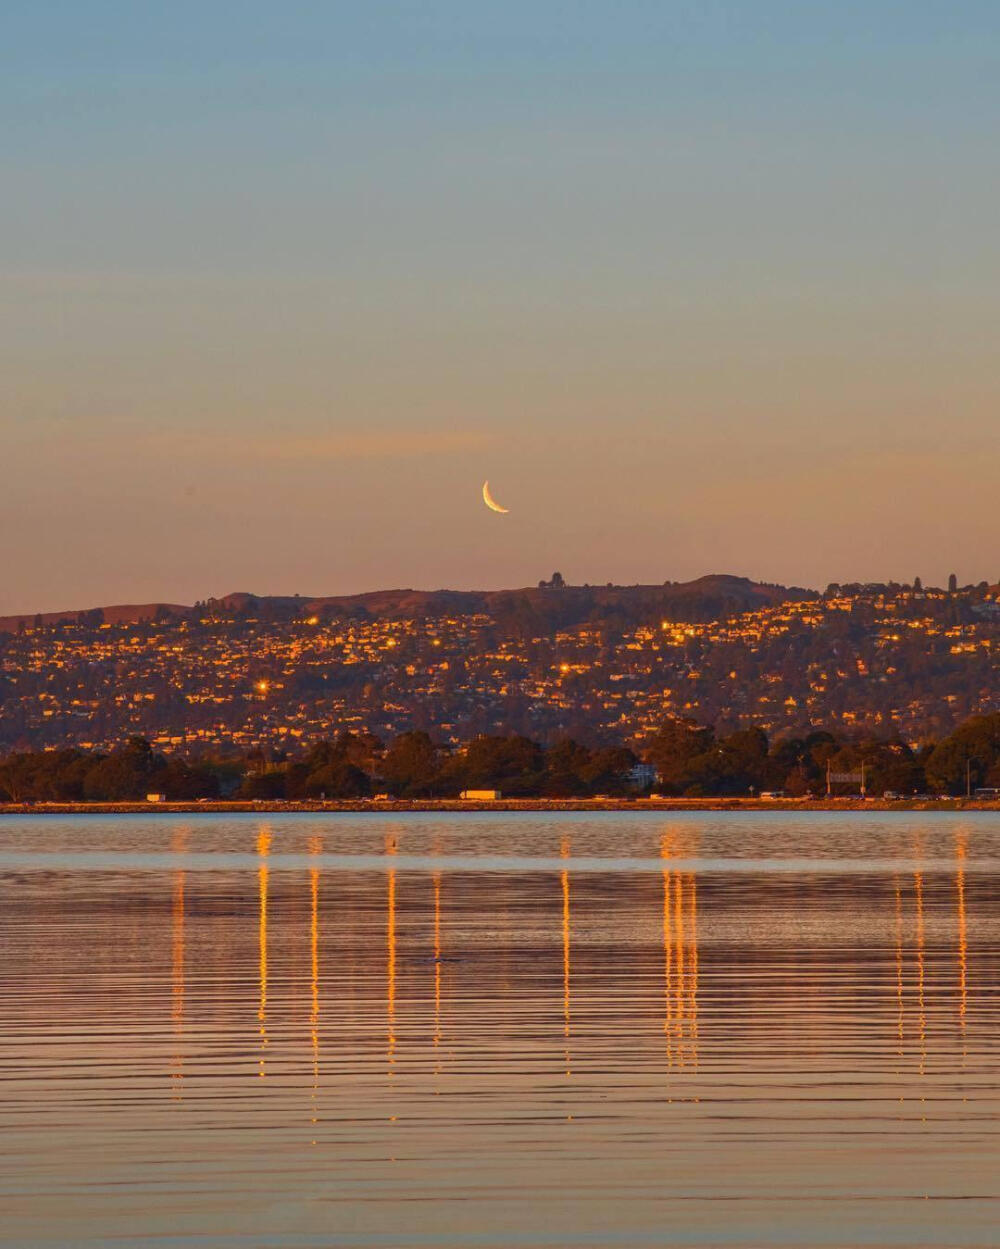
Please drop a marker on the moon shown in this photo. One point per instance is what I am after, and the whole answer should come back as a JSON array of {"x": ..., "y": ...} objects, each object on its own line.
[{"x": 489, "y": 500}]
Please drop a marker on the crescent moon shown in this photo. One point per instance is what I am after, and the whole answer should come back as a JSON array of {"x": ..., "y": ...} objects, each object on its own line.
[{"x": 489, "y": 500}]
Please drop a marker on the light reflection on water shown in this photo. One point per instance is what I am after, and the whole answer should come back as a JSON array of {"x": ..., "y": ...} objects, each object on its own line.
[{"x": 506, "y": 1030}]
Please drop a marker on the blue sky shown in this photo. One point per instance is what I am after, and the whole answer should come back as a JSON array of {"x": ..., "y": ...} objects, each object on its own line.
[{"x": 699, "y": 287}]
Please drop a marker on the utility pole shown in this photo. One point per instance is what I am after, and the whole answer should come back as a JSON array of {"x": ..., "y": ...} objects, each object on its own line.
[{"x": 828, "y": 778}]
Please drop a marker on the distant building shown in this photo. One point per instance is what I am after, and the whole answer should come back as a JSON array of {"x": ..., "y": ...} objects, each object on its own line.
[
  {"x": 156, "y": 797},
  {"x": 479, "y": 795},
  {"x": 642, "y": 775}
]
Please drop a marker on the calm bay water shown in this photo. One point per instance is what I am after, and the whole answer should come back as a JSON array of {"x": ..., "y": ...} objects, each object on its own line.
[{"x": 500, "y": 1030}]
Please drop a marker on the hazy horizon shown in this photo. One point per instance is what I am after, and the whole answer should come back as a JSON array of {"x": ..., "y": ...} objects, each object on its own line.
[{"x": 693, "y": 287}]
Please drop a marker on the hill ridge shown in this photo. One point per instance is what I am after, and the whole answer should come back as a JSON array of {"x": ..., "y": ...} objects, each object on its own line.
[{"x": 422, "y": 602}]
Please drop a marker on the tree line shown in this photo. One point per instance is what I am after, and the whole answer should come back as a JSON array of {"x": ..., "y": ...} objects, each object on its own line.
[{"x": 690, "y": 760}]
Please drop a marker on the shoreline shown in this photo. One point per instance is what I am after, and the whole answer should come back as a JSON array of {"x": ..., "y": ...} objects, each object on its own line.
[{"x": 459, "y": 806}]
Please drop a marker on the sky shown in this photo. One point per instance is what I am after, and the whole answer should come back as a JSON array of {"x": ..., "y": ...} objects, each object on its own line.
[{"x": 699, "y": 287}]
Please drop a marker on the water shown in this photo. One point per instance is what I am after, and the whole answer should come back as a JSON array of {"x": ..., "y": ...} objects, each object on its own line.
[{"x": 500, "y": 1030}]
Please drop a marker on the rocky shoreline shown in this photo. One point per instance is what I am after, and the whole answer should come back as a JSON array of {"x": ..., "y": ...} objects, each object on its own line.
[{"x": 458, "y": 806}]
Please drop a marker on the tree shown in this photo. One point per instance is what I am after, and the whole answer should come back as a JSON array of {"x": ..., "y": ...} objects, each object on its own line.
[
  {"x": 566, "y": 766},
  {"x": 46, "y": 776},
  {"x": 678, "y": 742},
  {"x": 975, "y": 745},
  {"x": 732, "y": 765},
  {"x": 264, "y": 785},
  {"x": 296, "y": 778},
  {"x": 513, "y": 764},
  {"x": 320, "y": 754},
  {"x": 182, "y": 781},
  {"x": 126, "y": 774},
  {"x": 608, "y": 770},
  {"x": 411, "y": 765},
  {"x": 341, "y": 780}
]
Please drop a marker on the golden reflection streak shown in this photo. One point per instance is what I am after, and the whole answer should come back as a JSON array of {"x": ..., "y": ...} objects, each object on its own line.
[
  {"x": 390, "y": 963},
  {"x": 692, "y": 887},
  {"x": 668, "y": 953},
  {"x": 680, "y": 960},
  {"x": 263, "y": 850},
  {"x": 680, "y": 998},
  {"x": 564, "y": 852},
  {"x": 178, "y": 845},
  {"x": 918, "y": 885},
  {"x": 900, "y": 1007},
  {"x": 315, "y": 847},
  {"x": 437, "y": 959},
  {"x": 963, "y": 940}
]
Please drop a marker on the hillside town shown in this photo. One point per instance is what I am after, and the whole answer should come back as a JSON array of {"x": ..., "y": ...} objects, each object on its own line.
[{"x": 891, "y": 660}]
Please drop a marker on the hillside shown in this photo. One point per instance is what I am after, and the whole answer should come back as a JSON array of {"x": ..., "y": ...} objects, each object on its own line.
[
  {"x": 118, "y": 613},
  {"x": 704, "y": 598},
  {"x": 602, "y": 663}
]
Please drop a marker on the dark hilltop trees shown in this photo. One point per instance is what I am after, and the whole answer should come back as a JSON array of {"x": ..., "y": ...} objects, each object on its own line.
[{"x": 689, "y": 759}]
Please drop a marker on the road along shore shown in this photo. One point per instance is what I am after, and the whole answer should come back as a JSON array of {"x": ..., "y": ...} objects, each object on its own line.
[{"x": 457, "y": 806}]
